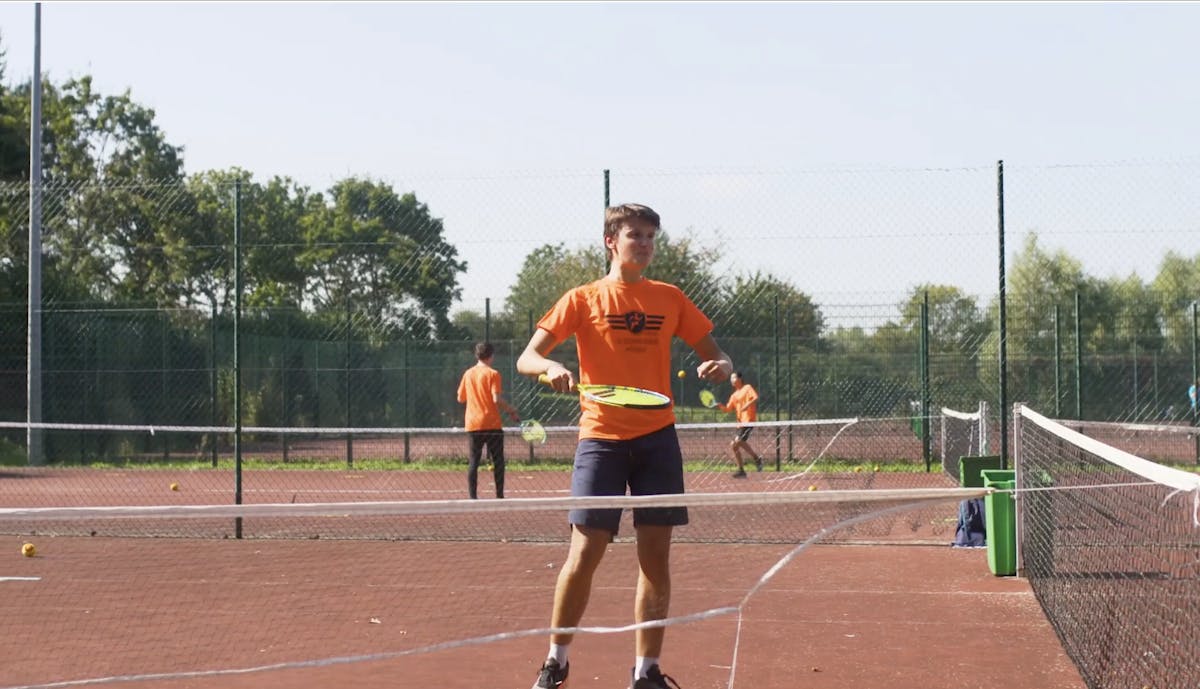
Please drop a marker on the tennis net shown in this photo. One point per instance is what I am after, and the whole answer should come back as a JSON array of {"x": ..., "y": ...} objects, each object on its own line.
[
  {"x": 962, "y": 434},
  {"x": 129, "y": 465},
  {"x": 104, "y": 609},
  {"x": 1110, "y": 543}
]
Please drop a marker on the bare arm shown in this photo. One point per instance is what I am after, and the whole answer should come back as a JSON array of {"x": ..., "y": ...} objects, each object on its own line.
[
  {"x": 533, "y": 362},
  {"x": 511, "y": 410}
]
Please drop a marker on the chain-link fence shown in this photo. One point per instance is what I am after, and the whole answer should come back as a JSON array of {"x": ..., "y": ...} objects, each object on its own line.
[{"x": 867, "y": 293}]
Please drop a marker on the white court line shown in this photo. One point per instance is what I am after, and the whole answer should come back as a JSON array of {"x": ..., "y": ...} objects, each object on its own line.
[{"x": 20, "y": 578}]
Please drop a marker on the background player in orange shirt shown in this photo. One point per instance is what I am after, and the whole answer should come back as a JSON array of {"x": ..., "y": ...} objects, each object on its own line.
[
  {"x": 744, "y": 402},
  {"x": 480, "y": 389},
  {"x": 623, "y": 325}
]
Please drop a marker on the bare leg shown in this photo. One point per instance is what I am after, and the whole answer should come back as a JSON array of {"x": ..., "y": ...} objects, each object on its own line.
[
  {"x": 653, "y": 599},
  {"x": 736, "y": 451},
  {"x": 574, "y": 585}
]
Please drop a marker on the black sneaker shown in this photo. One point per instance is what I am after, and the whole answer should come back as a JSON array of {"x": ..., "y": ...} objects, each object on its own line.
[
  {"x": 758, "y": 463},
  {"x": 655, "y": 679},
  {"x": 740, "y": 473},
  {"x": 551, "y": 676}
]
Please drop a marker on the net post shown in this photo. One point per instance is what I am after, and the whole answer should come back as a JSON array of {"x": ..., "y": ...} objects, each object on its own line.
[
  {"x": 1018, "y": 503},
  {"x": 984, "y": 440}
]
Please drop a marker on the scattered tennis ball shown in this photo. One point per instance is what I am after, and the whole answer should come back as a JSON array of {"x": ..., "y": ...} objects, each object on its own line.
[
  {"x": 812, "y": 487},
  {"x": 858, "y": 470},
  {"x": 682, "y": 374},
  {"x": 174, "y": 486},
  {"x": 28, "y": 550},
  {"x": 876, "y": 467}
]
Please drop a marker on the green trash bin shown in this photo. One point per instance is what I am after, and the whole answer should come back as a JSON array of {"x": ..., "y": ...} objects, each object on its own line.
[
  {"x": 1000, "y": 515},
  {"x": 971, "y": 468}
]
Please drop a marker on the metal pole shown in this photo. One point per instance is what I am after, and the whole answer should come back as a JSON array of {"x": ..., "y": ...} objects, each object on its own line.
[
  {"x": 346, "y": 379},
  {"x": 1079, "y": 360},
  {"x": 487, "y": 319},
  {"x": 1195, "y": 377},
  {"x": 237, "y": 352},
  {"x": 1003, "y": 325},
  {"x": 1136, "y": 413},
  {"x": 33, "y": 363},
  {"x": 925, "y": 398},
  {"x": 607, "y": 203},
  {"x": 778, "y": 389},
  {"x": 1057, "y": 365},
  {"x": 212, "y": 380}
]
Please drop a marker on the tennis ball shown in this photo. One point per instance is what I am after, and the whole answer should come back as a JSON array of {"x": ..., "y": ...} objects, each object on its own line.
[
  {"x": 28, "y": 550},
  {"x": 682, "y": 374},
  {"x": 174, "y": 486},
  {"x": 857, "y": 470},
  {"x": 812, "y": 487}
]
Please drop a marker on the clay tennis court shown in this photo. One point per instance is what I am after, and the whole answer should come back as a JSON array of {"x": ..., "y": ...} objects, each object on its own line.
[
  {"x": 339, "y": 602},
  {"x": 838, "y": 616}
]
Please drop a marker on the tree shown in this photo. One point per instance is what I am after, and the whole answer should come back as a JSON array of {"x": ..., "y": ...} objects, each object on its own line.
[
  {"x": 547, "y": 272},
  {"x": 381, "y": 255},
  {"x": 1177, "y": 287},
  {"x": 551, "y": 269},
  {"x": 747, "y": 308},
  {"x": 14, "y": 130},
  {"x": 956, "y": 323}
]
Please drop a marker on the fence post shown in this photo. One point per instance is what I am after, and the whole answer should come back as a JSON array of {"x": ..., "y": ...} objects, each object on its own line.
[
  {"x": 346, "y": 379},
  {"x": 1003, "y": 325},
  {"x": 1057, "y": 365},
  {"x": 237, "y": 352},
  {"x": 212, "y": 379},
  {"x": 1079, "y": 360},
  {"x": 778, "y": 390},
  {"x": 925, "y": 400},
  {"x": 1195, "y": 378}
]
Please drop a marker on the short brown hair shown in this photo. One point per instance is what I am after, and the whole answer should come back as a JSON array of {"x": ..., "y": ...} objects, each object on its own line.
[
  {"x": 484, "y": 350},
  {"x": 616, "y": 216}
]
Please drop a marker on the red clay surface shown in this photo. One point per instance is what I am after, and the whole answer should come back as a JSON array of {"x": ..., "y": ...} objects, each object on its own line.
[{"x": 836, "y": 617}]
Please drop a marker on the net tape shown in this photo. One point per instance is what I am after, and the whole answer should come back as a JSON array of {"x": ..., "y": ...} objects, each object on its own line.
[{"x": 1180, "y": 481}]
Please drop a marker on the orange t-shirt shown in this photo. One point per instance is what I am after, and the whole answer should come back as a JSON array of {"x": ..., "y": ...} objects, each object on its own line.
[
  {"x": 623, "y": 336},
  {"x": 744, "y": 401},
  {"x": 479, "y": 387}
]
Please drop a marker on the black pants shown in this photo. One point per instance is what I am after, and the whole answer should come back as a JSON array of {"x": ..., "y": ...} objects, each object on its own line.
[{"x": 494, "y": 440}]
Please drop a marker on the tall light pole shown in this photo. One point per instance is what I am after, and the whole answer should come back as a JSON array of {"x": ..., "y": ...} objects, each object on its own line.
[{"x": 33, "y": 363}]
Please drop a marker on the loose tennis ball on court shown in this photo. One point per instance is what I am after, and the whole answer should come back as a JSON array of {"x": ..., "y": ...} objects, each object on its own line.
[
  {"x": 682, "y": 374},
  {"x": 174, "y": 486},
  {"x": 28, "y": 550},
  {"x": 857, "y": 470},
  {"x": 812, "y": 487},
  {"x": 876, "y": 467}
]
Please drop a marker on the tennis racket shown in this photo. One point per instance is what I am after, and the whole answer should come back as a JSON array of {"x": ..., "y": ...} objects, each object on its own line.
[
  {"x": 532, "y": 432},
  {"x": 708, "y": 399},
  {"x": 619, "y": 395}
]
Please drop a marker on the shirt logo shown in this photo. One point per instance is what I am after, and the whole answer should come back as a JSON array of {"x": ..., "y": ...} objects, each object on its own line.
[{"x": 635, "y": 322}]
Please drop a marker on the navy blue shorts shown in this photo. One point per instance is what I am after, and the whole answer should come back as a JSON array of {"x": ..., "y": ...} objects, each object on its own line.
[{"x": 647, "y": 465}]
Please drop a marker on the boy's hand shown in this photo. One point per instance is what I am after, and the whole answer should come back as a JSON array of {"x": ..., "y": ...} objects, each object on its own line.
[
  {"x": 715, "y": 371},
  {"x": 558, "y": 378}
]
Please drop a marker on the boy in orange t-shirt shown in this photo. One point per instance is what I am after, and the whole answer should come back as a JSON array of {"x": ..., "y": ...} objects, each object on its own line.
[
  {"x": 744, "y": 403},
  {"x": 623, "y": 325},
  {"x": 479, "y": 389}
]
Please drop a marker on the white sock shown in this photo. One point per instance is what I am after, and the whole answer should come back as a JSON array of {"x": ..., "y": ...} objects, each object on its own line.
[
  {"x": 559, "y": 653},
  {"x": 642, "y": 665}
]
